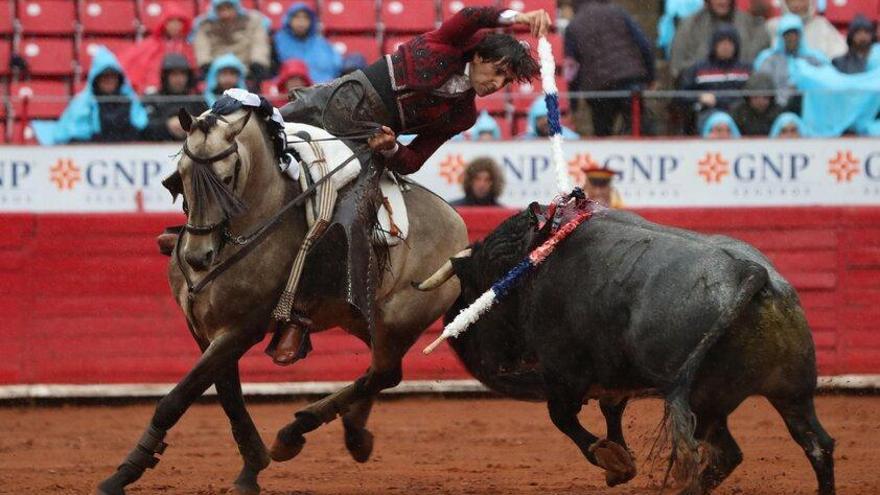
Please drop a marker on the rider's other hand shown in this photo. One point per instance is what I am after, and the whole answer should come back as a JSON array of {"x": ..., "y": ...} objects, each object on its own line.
[
  {"x": 383, "y": 140},
  {"x": 538, "y": 21}
]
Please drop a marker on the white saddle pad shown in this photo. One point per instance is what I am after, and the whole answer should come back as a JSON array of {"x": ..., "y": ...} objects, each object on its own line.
[
  {"x": 335, "y": 152},
  {"x": 393, "y": 219}
]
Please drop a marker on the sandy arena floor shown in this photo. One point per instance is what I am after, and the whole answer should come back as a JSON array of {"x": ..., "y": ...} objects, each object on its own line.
[{"x": 423, "y": 446}]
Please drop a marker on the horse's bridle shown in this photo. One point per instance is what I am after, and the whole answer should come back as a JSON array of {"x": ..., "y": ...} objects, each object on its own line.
[{"x": 233, "y": 148}]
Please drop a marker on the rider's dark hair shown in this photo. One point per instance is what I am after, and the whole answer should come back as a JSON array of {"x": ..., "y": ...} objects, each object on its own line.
[{"x": 500, "y": 47}]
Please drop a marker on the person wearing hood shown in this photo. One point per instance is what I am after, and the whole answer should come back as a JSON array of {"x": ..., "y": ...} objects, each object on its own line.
[
  {"x": 293, "y": 75},
  {"x": 538, "y": 125},
  {"x": 483, "y": 183},
  {"x": 778, "y": 61},
  {"x": 177, "y": 91},
  {"x": 756, "y": 114},
  {"x": 788, "y": 125},
  {"x": 107, "y": 110},
  {"x": 225, "y": 72},
  {"x": 142, "y": 61},
  {"x": 352, "y": 62},
  {"x": 299, "y": 38},
  {"x": 230, "y": 28},
  {"x": 818, "y": 31},
  {"x": 720, "y": 125},
  {"x": 606, "y": 50},
  {"x": 720, "y": 71},
  {"x": 860, "y": 38},
  {"x": 673, "y": 12},
  {"x": 486, "y": 128},
  {"x": 692, "y": 38}
]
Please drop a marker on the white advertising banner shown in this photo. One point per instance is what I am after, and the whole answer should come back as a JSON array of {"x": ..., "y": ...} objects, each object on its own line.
[{"x": 652, "y": 173}]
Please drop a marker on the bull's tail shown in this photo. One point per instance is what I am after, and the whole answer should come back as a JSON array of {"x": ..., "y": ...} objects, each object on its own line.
[{"x": 679, "y": 421}]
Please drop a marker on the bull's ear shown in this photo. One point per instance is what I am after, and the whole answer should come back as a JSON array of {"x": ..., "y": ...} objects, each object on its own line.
[
  {"x": 535, "y": 213},
  {"x": 174, "y": 184},
  {"x": 465, "y": 269},
  {"x": 186, "y": 120}
]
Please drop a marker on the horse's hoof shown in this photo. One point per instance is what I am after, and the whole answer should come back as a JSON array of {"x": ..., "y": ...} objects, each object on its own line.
[
  {"x": 615, "y": 460},
  {"x": 359, "y": 443},
  {"x": 284, "y": 451},
  {"x": 245, "y": 489}
]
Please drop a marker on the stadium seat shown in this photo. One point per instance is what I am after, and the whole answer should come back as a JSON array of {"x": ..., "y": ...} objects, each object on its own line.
[
  {"x": 47, "y": 16},
  {"x": 151, "y": 11},
  {"x": 448, "y": 8},
  {"x": 842, "y": 11},
  {"x": 772, "y": 6},
  {"x": 522, "y": 95},
  {"x": 204, "y": 5},
  {"x": 5, "y": 55},
  {"x": 494, "y": 104},
  {"x": 22, "y": 133},
  {"x": 275, "y": 9},
  {"x": 367, "y": 46},
  {"x": 392, "y": 42},
  {"x": 108, "y": 17},
  {"x": 48, "y": 99},
  {"x": 3, "y": 137},
  {"x": 48, "y": 56},
  {"x": 530, "y": 5},
  {"x": 408, "y": 16},
  {"x": 88, "y": 45},
  {"x": 6, "y": 10},
  {"x": 505, "y": 126},
  {"x": 348, "y": 15},
  {"x": 3, "y": 101}
]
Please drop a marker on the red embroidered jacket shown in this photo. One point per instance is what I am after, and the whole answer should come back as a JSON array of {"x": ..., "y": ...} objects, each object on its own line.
[{"x": 422, "y": 65}]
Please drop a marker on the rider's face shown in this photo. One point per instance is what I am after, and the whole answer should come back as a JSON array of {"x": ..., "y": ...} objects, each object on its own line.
[{"x": 488, "y": 77}]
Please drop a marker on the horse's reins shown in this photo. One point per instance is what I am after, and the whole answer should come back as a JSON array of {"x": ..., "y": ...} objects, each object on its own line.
[{"x": 207, "y": 229}]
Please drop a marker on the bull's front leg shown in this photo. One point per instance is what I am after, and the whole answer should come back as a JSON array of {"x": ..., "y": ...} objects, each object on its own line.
[{"x": 564, "y": 403}]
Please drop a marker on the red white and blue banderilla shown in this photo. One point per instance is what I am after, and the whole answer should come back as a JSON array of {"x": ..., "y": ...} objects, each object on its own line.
[{"x": 501, "y": 288}]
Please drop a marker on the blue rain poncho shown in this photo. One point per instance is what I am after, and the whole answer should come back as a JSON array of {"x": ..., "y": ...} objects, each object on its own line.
[
  {"x": 324, "y": 62},
  {"x": 720, "y": 118},
  {"x": 539, "y": 109},
  {"x": 485, "y": 123},
  {"x": 779, "y": 64},
  {"x": 785, "y": 119},
  {"x": 228, "y": 61},
  {"x": 673, "y": 12}
]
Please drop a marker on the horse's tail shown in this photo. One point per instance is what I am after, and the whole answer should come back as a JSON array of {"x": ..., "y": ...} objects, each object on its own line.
[{"x": 679, "y": 421}]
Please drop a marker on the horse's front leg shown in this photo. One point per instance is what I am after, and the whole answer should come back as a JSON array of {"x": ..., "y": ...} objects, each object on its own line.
[
  {"x": 250, "y": 445},
  {"x": 221, "y": 355},
  {"x": 384, "y": 372}
]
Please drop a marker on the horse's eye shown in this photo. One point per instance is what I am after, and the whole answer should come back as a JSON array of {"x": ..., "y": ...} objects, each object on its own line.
[{"x": 227, "y": 180}]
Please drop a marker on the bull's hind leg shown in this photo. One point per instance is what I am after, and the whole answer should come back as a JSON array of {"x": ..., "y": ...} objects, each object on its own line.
[
  {"x": 800, "y": 418},
  {"x": 218, "y": 358},
  {"x": 724, "y": 454},
  {"x": 564, "y": 403},
  {"x": 612, "y": 410},
  {"x": 250, "y": 445}
]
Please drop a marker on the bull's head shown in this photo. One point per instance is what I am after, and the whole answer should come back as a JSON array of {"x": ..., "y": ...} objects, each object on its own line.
[{"x": 479, "y": 266}]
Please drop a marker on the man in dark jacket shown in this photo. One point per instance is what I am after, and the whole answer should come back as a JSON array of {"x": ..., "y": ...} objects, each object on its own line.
[
  {"x": 483, "y": 183},
  {"x": 607, "y": 51},
  {"x": 177, "y": 90},
  {"x": 755, "y": 115},
  {"x": 860, "y": 37},
  {"x": 721, "y": 70}
]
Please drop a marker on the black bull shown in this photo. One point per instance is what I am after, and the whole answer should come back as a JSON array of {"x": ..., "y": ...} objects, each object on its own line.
[{"x": 626, "y": 307}]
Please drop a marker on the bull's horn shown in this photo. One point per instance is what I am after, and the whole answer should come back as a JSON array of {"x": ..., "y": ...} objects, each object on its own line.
[{"x": 442, "y": 275}]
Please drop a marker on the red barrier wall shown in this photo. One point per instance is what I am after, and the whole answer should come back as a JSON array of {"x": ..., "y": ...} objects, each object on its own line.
[{"x": 84, "y": 298}]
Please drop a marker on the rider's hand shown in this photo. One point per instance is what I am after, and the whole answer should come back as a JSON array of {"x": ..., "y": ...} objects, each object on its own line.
[
  {"x": 538, "y": 21},
  {"x": 383, "y": 140}
]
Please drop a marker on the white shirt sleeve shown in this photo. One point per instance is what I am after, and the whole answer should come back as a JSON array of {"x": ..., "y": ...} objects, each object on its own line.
[
  {"x": 507, "y": 17},
  {"x": 391, "y": 152}
]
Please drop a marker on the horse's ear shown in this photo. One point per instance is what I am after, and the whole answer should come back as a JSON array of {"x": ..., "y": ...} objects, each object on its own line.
[
  {"x": 186, "y": 120},
  {"x": 174, "y": 184},
  {"x": 235, "y": 128}
]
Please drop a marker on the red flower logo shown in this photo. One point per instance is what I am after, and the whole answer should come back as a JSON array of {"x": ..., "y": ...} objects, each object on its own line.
[
  {"x": 65, "y": 174},
  {"x": 578, "y": 164},
  {"x": 452, "y": 169},
  {"x": 844, "y": 166},
  {"x": 713, "y": 167}
]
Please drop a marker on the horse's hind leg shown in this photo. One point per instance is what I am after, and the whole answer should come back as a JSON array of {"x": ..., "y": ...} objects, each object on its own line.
[
  {"x": 800, "y": 418},
  {"x": 222, "y": 354},
  {"x": 250, "y": 445},
  {"x": 358, "y": 440}
]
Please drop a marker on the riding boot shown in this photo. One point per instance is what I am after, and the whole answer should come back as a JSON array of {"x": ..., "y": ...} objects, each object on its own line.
[
  {"x": 168, "y": 239},
  {"x": 291, "y": 341}
]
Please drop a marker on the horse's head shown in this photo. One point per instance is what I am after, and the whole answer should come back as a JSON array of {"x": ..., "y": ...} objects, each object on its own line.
[{"x": 212, "y": 173}]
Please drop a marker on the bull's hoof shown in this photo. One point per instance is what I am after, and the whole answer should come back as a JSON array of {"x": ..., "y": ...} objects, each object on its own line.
[
  {"x": 359, "y": 442},
  {"x": 615, "y": 460},
  {"x": 284, "y": 449}
]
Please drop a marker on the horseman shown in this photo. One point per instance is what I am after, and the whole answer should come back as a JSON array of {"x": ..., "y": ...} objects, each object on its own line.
[{"x": 427, "y": 88}]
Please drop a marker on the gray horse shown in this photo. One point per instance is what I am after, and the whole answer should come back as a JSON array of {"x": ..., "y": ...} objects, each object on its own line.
[{"x": 232, "y": 313}]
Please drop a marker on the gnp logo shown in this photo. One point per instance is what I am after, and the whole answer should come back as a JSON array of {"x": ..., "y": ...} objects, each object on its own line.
[
  {"x": 579, "y": 164},
  {"x": 752, "y": 168},
  {"x": 844, "y": 166},
  {"x": 452, "y": 169},
  {"x": 13, "y": 173},
  {"x": 65, "y": 174}
]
